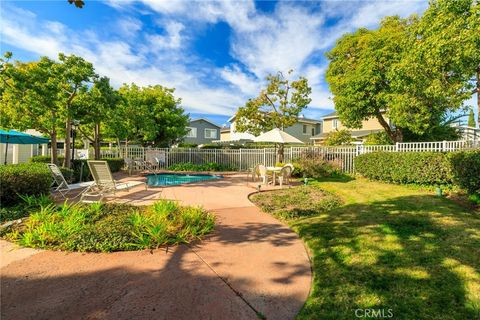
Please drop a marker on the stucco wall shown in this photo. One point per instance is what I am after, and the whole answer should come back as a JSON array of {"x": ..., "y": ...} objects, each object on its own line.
[{"x": 370, "y": 124}]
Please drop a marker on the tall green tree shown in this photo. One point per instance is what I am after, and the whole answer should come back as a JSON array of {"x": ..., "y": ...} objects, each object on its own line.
[
  {"x": 277, "y": 106},
  {"x": 471, "y": 119},
  {"x": 358, "y": 74},
  {"x": 95, "y": 106},
  {"x": 441, "y": 56},
  {"x": 29, "y": 97},
  {"x": 149, "y": 115},
  {"x": 417, "y": 69},
  {"x": 73, "y": 73}
]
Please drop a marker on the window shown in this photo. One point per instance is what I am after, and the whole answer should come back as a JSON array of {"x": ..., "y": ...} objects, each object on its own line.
[
  {"x": 210, "y": 133},
  {"x": 304, "y": 129},
  {"x": 313, "y": 131},
  {"x": 335, "y": 123},
  {"x": 192, "y": 132}
]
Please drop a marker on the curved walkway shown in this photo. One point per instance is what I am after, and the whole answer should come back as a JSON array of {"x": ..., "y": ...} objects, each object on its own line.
[{"x": 251, "y": 266}]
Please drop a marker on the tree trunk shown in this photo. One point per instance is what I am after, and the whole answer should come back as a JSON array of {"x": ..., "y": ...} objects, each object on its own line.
[
  {"x": 396, "y": 136},
  {"x": 53, "y": 141},
  {"x": 66, "y": 147},
  {"x": 280, "y": 153},
  {"x": 96, "y": 139},
  {"x": 478, "y": 97}
]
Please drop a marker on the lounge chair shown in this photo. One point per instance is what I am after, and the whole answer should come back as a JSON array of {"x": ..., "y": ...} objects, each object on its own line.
[
  {"x": 104, "y": 184},
  {"x": 62, "y": 186}
]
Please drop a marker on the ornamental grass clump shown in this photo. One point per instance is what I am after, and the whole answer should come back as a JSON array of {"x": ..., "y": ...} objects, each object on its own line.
[{"x": 110, "y": 227}]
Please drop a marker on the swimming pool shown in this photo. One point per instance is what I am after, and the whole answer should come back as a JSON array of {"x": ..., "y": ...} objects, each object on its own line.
[{"x": 173, "y": 179}]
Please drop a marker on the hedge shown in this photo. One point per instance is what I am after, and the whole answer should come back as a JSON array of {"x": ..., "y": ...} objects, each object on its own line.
[
  {"x": 406, "y": 167},
  {"x": 466, "y": 170},
  {"x": 45, "y": 159},
  {"x": 188, "y": 166},
  {"x": 23, "y": 179}
]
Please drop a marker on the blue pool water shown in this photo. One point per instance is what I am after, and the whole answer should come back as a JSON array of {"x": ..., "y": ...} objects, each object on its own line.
[{"x": 173, "y": 179}]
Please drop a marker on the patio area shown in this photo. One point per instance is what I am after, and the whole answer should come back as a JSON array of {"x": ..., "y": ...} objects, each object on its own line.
[{"x": 250, "y": 266}]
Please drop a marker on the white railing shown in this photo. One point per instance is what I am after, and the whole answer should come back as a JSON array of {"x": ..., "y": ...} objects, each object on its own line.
[{"x": 243, "y": 159}]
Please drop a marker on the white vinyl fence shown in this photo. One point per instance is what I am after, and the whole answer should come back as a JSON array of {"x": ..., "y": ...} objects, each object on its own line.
[{"x": 243, "y": 159}]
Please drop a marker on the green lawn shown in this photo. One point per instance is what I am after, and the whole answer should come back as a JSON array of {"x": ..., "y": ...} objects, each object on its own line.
[{"x": 391, "y": 247}]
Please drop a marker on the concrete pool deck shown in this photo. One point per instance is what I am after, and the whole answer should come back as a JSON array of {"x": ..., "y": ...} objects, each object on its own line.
[{"x": 250, "y": 265}]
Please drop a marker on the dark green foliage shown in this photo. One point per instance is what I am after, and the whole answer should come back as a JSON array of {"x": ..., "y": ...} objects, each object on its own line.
[
  {"x": 211, "y": 166},
  {"x": 23, "y": 179},
  {"x": 378, "y": 138},
  {"x": 466, "y": 170},
  {"x": 45, "y": 159},
  {"x": 187, "y": 145},
  {"x": 101, "y": 227},
  {"x": 405, "y": 167},
  {"x": 23, "y": 208},
  {"x": 68, "y": 174}
]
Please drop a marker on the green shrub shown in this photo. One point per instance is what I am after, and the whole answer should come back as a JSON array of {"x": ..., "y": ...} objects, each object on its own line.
[
  {"x": 211, "y": 166},
  {"x": 101, "y": 227},
  {"x": 68, "y": 174},
  {"x": 317, "y": 167},
  {"x": 46, "y": 159},
  {"x": 378, "y": 138},
  {"x": 23, "y": 208},
  {"x": 338, "y": 137},
  {"x": 405, "y": 167},
  {"x": 23, "y": 179},
  {"x": 187, "y": 145},
  {"x": 466, "y": 170}
]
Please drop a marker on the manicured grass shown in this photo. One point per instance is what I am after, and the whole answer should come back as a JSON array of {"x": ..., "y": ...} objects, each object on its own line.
[
  {"x": 392, "y": 247},
  {"x": 110, "y": 227}
]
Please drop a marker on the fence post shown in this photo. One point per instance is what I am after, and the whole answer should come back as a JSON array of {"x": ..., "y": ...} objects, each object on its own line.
[
  {"x": 264, "y": 156},
  {"x": 190, "y": 155},
  {"x": 240, "y": 166},
  {"x": 396, "y": 146},
  {"x": 444, "y": 145}
]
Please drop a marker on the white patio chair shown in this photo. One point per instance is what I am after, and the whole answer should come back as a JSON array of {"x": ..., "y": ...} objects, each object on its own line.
[
  {"x": 263, "y": 173},
  {"x": 62, "y": 186},
  {"x": 284, "y": 175},
  {"x": 104, "y": 184},
  {"x": 291, "y": 166}
]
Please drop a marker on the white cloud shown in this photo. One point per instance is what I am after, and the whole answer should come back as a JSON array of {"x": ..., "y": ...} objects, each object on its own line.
[
  {"x": 292, "y": 36},
  {"x": 171, "y": 40},
  {"x": 129, "y": 26}
]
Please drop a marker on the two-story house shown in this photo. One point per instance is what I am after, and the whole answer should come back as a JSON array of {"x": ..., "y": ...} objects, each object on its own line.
[
  {"x": 331, "y": 122},
  {"x": 202, "y": 131},
  {"x": 303, "y": 130}
]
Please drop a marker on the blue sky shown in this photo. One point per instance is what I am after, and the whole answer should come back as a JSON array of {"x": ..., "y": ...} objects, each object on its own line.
[{"x": 216, "y": 54}]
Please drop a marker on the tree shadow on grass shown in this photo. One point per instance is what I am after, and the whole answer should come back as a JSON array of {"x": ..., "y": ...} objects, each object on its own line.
[{"x": 416, "y": 255}]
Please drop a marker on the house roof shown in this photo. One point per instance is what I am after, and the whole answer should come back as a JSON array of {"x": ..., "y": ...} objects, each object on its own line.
[
  {"x": 225, "y": 129},
  {"x": 354, "y": 133},
  {"x": 330, "y": 115},
  {"x": 206, "y": 120}
]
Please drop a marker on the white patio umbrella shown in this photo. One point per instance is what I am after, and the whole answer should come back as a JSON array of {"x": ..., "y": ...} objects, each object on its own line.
[{"x": 277, "y": 136}]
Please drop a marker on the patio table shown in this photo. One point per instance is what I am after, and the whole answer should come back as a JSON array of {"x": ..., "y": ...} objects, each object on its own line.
[{"x": 274, "y": 170}]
